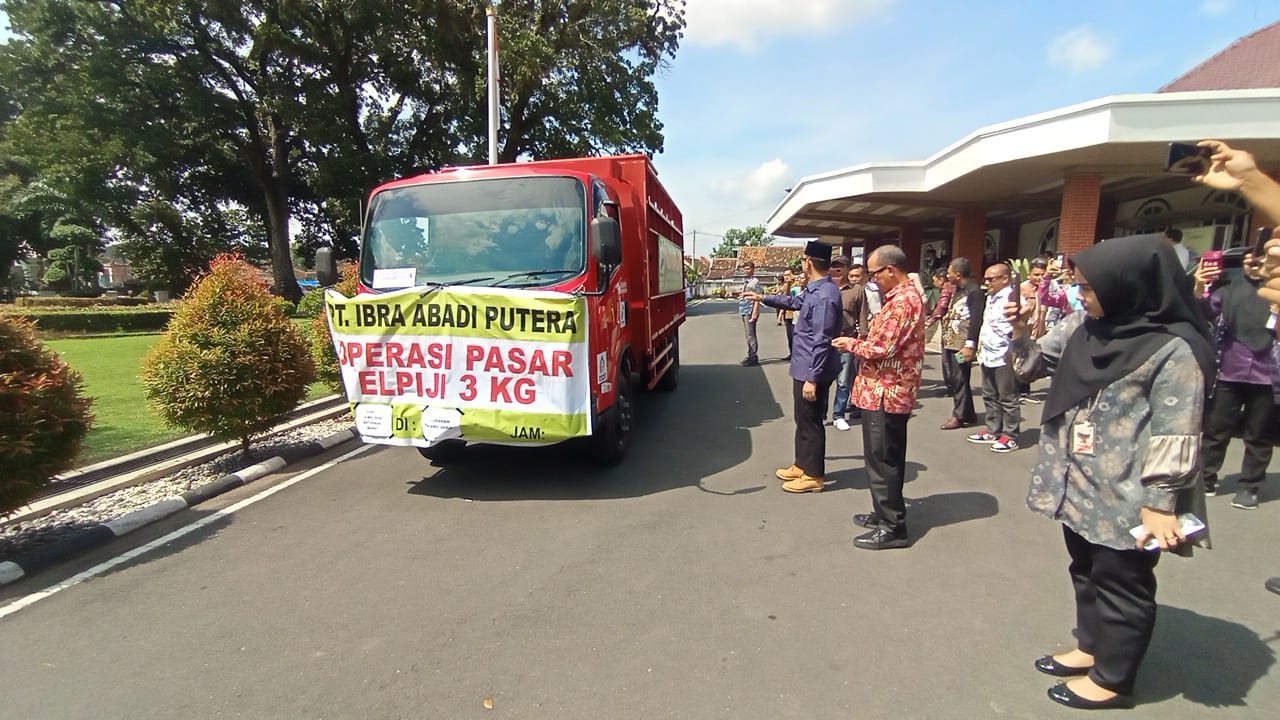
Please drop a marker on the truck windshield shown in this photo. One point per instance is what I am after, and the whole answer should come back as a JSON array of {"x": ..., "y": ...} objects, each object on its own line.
[{"x": 514, "y": 232}]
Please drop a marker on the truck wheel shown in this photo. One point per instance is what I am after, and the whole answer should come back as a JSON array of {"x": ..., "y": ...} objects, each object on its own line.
[
  {"x": 614, "y": 433},
  {"x": 443, "y": 451},
  {"x": 671, "y": 378}
]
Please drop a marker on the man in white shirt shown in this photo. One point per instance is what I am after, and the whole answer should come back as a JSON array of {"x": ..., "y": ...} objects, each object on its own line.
[
  {"x": 999, "y": 385},
  {"x": 1188, "y": 257}
]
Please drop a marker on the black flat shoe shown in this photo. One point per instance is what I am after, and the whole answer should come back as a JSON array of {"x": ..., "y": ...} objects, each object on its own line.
[
  {"x": 866, "y": 520},
  {"x": 882, "y": 539},
  {"x": 1049, "y": 666},
  {"x": 1063, "y": 695}
]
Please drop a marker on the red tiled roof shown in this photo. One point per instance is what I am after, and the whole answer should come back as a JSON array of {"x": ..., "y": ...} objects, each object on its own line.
[
  {"x": 768, "y": 256},
  {"x": 1252, "y": 61},
  {"x": 722, "y": 268}
]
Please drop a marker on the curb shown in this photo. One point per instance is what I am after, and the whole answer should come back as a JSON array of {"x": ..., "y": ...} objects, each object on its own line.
[{"x": 35, "y": 560}]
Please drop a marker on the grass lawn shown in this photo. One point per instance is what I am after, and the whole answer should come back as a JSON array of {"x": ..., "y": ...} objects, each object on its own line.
[{"x": 122, "y": 421}]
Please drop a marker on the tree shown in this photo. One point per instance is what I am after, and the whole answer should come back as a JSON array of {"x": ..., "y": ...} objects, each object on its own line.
[
  {"x": 231, "y": 363},
  {"x": 294, "y": 109},
  {"x": 167, "y": 248},
  {"x": 43, "y": 414},
  {"x": 735, "y": 238}
]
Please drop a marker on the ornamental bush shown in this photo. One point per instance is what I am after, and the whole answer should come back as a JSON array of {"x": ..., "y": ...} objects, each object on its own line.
[
  {"x": 312, "y": 304},
  {"x": 322, "y": 350},
  {"x": 43, "y": 417},
  {"x": 230, "y": 364}
]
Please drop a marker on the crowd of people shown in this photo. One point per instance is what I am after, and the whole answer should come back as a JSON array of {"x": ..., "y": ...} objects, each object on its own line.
[{"x": 1155, "y": 360}]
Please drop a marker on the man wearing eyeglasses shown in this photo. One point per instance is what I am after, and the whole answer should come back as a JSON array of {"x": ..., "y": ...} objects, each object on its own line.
[
  {"x": 999, "y": 385},
  {"x": 885, "y": 390},
  {"x": 814, "y": 365}
]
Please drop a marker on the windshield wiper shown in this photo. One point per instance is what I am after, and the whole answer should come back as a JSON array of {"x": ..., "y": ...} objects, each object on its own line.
[
  {"x": 531, "y": 274},
  {"x": 432, "y": 286}
]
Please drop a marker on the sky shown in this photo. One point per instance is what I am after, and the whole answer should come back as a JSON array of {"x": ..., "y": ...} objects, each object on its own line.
[{"x": 763, "y": 93}]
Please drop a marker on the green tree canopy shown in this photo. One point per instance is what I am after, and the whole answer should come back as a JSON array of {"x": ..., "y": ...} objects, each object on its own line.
[
  {"x": 293, "y": 109},
  {"x": 735, "y": 238}
]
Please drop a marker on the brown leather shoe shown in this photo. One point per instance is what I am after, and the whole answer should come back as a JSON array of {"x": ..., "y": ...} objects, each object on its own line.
[
  {"x": 789, "y": 473},
  {"x": 803, "y": 484},
  {"x": 952, "y": 423}
]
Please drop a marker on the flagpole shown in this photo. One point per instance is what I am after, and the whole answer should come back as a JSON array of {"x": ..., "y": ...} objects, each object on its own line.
[{"x": 492, "y": 53}]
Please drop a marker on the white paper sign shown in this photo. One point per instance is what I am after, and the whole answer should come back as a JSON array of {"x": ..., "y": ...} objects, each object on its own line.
[
  {"x": 373, "y": 420},
  {"x": 387, "y": 278}
]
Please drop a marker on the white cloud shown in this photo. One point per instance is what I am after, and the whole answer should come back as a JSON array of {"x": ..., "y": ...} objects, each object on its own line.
[
  {"x": 1079, "y": 50},
  {"x": 765, "y": 183},
  {"x": 744, "y": 22},
  {"x": 1215, "y": 8}
]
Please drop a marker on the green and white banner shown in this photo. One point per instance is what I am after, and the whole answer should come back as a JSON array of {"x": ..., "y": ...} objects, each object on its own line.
[{"x": 491, "y": 365}]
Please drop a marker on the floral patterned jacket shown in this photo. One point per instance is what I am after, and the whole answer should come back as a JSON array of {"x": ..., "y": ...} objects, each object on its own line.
[
  {"x": 1147, "y": 436},
  {"x": 892, "y": 354}
]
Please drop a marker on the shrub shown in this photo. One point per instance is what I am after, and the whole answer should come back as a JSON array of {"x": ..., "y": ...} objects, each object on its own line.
[
  {"x": 312, "y": 304},
  {"x": 43, "y": 418},
  {"x": 322, "y": 350},
  {"x": 286, "y": 306},
  {"x": 230, "y": 364},
  {"x": 99, "y": 321}
]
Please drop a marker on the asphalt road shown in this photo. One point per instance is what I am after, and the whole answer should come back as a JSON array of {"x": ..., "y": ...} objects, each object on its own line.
[{"x": 682, "y": 584}]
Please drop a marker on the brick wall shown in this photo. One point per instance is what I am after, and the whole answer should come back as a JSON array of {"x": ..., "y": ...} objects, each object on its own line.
[{"x": 1078, "y": 223}]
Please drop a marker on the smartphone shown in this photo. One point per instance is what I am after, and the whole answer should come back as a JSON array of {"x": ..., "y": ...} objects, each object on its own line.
[
  {"x": 1260, "y": 245},
  {"x": 1016, "y": 284},
  {"x": 1188, "y": 159},
  {"x": 1190, "y": 526},
  {"x": 1211, "y": 260}
]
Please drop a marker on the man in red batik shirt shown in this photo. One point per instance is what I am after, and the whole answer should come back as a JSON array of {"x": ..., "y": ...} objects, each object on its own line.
[{"x": 885, "y": 390}]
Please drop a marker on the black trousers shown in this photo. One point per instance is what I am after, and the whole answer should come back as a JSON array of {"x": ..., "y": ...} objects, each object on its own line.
[
  {"x": 884, "y": 447},
  {"x": 957, "y": 376},
  {"x": 811, "y": 437},
  {"x": 1115, "y": 608},
  {"x": 1251, "y": 406}
]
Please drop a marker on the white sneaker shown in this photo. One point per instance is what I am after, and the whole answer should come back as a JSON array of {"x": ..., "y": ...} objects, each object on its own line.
[{"x": 841, "y": 424}]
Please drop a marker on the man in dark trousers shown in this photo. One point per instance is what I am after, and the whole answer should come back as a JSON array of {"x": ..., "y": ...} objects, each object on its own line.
[
  {"x": 814, "y": 365},
  {"x": 886, "y": 387},
  {"x": 960, "y": 327},
  {"x": 856, "y": 320}
]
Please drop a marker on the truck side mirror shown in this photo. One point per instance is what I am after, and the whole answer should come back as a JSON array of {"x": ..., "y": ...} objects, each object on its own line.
[
  {"x": 606, "y": 241},
  {"x": 326, "y": 267}
]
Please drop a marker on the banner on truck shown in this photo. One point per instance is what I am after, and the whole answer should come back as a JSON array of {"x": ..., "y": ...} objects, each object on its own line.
[{"x": 490, "y": 365}]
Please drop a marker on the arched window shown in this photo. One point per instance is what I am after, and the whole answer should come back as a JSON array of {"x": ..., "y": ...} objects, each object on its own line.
[
  {"x": 1152, "y": 216},
  {"x": 1229, "y": 219},
  {"x": 1048, "y": 244}
]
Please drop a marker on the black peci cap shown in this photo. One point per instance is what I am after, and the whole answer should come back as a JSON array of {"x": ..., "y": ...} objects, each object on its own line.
[{"x": 818, "y": 250}]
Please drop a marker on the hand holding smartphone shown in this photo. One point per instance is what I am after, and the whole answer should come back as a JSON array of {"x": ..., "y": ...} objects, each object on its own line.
[
  {"x": 1260, "y": 246},
  {"x": 1190, "y": 526},
  {"x": 1188, "y": 159}
]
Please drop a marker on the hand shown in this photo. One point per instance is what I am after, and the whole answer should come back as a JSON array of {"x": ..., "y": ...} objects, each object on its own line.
[
  {"x": 1253, "y": 267},
  {"x": 1271, "y": 271},
  {"x": 842, "y": 343},
  {"x": 752, "y": 296},
  {"x": 1019, "y": 316},
  {"x": 968, "y": 354},
  {"x": 1229, "y": 168},
  {"x": 810, "y": 391},
  {"x": 1205, "y": 276},
  {"x": 1161, "y": 525}
]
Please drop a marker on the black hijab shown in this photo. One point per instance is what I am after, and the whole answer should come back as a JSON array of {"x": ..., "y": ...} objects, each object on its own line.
[{"x": 1147, "y": 300}]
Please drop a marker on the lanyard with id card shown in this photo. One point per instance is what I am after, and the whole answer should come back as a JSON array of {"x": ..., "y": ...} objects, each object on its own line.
[{"x": 1083, "y": 437}]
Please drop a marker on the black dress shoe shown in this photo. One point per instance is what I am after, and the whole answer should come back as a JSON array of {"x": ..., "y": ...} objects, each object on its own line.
[
  {"x": 1063, "y": 695},
  {"x": 1049, "y": 666},
  {"x": 749, "y": 362},
  {"x": 882, "y": 539},
  {"x": 866, "y": 520}
]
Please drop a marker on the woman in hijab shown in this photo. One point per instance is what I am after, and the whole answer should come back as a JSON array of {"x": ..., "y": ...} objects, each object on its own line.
[
  {"x": 1119, "y": 441},
  {"x": 1247, "y": 372}
]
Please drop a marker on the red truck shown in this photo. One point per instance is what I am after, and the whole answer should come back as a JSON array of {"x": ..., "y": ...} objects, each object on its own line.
[{"x": 600, "y": 229}]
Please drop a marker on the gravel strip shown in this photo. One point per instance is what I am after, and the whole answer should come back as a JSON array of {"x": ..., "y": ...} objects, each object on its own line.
[{"x": 22, "y": 536}]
